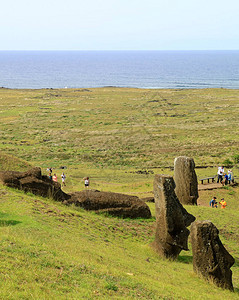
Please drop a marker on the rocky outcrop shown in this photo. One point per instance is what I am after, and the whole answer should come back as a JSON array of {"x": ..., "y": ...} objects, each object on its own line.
[
  {"x": 33, "y": 181},
  {"x": 210, "y": 258},
  {"x": 111, "y": 203},
  {"x": 171, "y": 219},
  {"x": 186, "y": 180}
]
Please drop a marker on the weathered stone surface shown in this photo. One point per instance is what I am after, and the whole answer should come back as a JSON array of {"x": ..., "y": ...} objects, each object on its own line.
[
  {"x": 210, "y": 258},
  {"x": 112, "y": 203},
  {"x": 185, "y": 180},
  {"x": 171, "y": 219},
  {"x": 33, "y": 181},
  {"x": 148, "y": 199}
]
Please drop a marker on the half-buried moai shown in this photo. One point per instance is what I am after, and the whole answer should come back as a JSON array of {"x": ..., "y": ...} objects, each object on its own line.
[
  {"x": 172, "y": 219},
  {"x": 210, "y": 258},
  {"x": 185, "y": 180}
]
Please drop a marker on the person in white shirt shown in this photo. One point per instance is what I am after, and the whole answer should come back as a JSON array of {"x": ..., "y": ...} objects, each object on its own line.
[
  {"x": 220, "y": 173},
  {"x": 63, "y": 179},
  {"x": 87, "y": 182}
]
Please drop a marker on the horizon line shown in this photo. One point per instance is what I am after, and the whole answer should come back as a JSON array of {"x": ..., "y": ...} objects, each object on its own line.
[{"x": 11, "y": 50}]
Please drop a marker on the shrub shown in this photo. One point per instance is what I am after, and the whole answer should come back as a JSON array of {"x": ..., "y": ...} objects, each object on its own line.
[
  {"x": 236, "y": 158},
  {"x": 111, "y": 286},
  {"x": 227, "y": 162}
]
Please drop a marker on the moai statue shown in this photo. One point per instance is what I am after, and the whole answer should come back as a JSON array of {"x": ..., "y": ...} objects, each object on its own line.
[
  {"x": 171, "y": 219},
  {"x": 210, "y": 258},
  {"x": 185, "y": 180}
]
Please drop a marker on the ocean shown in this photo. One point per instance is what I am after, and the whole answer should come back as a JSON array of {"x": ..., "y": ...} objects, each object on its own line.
[{"x": 139, "y": 69}]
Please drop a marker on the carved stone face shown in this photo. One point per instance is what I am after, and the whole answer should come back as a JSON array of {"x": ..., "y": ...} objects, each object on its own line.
[
  {"x": 186, "y": 180},
  {"x": 210, "y": 258},
  {"x": 171, "y": 219}
]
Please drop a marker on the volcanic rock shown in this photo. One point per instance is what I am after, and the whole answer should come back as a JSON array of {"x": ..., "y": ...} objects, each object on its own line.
[
  {"x": 148, "y": 199},
  {"x": 186, "y": 180},
  {"x": 115, "y": 204},
  {"x": 32, "y": 181},
  {"x": 171, "y": 219},
  {"x": 210, "y": 258}
]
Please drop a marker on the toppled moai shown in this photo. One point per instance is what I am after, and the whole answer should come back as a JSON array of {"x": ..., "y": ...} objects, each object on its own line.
[
  {"x": 210, "y": 258},
  {"x": 33, "y": 181},
  {"x": 115, "y": 204},
  {"x": 186, "y": 180},
  {"x": 172, "y": 219}
]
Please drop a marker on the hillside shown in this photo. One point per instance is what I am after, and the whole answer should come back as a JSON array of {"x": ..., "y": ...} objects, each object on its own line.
[
  {"x": 51, "y": 251},
  {"x": 120, "y": 138},
  {"x": 9, "y": 163}
]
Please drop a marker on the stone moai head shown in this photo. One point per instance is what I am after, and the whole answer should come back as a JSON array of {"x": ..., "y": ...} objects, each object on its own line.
[
  {"x": 185, "y": 180},
  {"x": 171, "y": 235},
  {"x": 210, "y": 258}
]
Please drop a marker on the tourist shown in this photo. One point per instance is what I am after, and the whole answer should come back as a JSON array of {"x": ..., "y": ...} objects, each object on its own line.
[
  {"x": 63, "y": 178},
  {"x": 223, "y": 203},
  {"x": 87, "y": 182},
  {"x": 49, "y": 170},
  {"x": 225, "y": 179},
  {"x": 213, "y": 202},
  {"x": 50, "y": 176},
  {"x": 220, "y": 173},
  {"x": 54, "y": 178},
  {"x": 230, "y": 177}
]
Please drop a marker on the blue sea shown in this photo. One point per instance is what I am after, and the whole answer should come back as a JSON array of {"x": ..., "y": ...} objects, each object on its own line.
[{"x": 139, "y": 69}]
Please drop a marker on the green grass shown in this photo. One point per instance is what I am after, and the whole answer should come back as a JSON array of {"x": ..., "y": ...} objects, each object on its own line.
[
  {"x": 12, "y": 163},
  {"x": 113, "y": 131},
  {"x": 120, "y": 127},
  {"x": 50, "y": 251}
]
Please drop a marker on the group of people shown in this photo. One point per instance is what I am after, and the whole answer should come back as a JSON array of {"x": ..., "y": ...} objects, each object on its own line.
[
  {"x": 213, "y": 203},
  {"x": 54, "y": 177},
  {"x": 63, "y": 178},
  {"x": 223, "y": 177}
]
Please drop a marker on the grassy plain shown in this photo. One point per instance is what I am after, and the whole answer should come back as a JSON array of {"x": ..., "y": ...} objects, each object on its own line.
[
  {"x": 49, "y": 251},
  {"x": 106, "y": 132}
]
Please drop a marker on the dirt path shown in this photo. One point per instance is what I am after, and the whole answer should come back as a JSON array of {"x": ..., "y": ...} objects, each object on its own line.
[{"x": 211, "y": 186}]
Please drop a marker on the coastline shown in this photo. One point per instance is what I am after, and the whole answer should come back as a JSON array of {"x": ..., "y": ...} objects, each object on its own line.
[
  {"x": 117, "y": 87},
  {"x": 136, "y": 69}
]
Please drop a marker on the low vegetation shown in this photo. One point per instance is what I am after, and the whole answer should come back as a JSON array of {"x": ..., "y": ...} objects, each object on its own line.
[
  {"x": 51, "y": 251},
  {"x": 111, "y": 127},
  {"x": 119, "y": 138}
]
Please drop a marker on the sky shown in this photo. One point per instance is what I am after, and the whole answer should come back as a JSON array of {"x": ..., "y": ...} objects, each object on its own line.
[{"x": 119, "y": 25}]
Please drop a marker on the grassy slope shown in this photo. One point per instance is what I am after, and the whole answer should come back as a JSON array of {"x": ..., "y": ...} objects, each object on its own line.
[
  {"x": 50, "y": 251},
  {"x": 13, "y": 163}
]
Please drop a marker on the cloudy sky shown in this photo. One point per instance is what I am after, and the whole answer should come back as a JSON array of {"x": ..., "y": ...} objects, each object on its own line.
[{"x": 119, "y": 25}]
